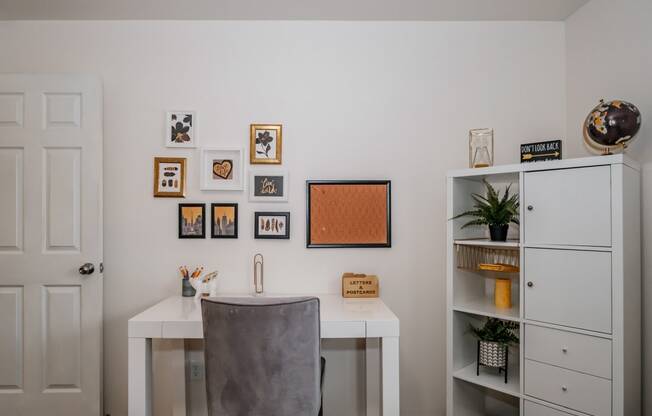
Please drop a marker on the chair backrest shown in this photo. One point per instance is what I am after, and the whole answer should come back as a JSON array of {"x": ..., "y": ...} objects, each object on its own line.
[{"x": 262, "y": 356}]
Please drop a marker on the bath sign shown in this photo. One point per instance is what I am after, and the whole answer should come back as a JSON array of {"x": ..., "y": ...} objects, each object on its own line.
[{"x": 534, "y": 152}]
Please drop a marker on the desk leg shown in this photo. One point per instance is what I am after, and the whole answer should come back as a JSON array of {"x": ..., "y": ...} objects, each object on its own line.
[
  {"x": 390, "y": 376},
  {"x": 140, "y": 377},
  {"x": 372, "y": 366}
]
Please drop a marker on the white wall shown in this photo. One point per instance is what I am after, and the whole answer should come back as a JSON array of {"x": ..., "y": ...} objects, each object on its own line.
[
  {"x": 609, "y": 55},
  {"x": 357, "y": 100}
]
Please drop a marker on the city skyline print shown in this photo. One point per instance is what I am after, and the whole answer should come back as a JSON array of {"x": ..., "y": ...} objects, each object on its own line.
[
  {"x": 192, "y": 221},
  {"x": 224, "y": 220}
]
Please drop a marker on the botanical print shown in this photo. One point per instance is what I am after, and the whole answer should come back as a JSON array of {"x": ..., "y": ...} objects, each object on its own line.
[
  {"x": 272, "y": 225},
  {"x": 169, "y": 177},
  {"x": 180, "y": 131},
  {"x": 225, "y": 221},
  {"x": 266, "y": 143},
  {"x": 191, "y": 220},
  {"x": 268, "y": 185},
  {"x": 222, "y": 169}
]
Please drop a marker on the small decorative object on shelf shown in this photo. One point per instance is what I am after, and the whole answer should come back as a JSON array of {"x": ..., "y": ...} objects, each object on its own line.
[
  {"x": 503, "y": 293},
  {"x": 494, "y": 338},
  {"x": 481, "y": 148},
  {"x": 535, "y": 152},
  {"x": 493, "y": 210},
  {"x": 359, "y": 286},
  {"x": 611, "y": 126}
]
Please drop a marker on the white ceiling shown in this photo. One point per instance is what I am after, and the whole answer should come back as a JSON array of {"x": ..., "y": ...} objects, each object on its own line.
[{"x": 290, "y": 9}]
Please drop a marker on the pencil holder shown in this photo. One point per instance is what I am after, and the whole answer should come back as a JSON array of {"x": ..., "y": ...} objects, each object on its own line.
[{"x": 187, "y": 291}]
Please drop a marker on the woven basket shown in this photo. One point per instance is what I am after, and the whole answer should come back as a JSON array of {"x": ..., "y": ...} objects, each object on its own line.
[{"x": 493, "y": 354}]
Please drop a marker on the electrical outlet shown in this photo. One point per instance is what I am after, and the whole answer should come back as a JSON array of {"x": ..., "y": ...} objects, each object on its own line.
[{"x": 196, "y": 370}]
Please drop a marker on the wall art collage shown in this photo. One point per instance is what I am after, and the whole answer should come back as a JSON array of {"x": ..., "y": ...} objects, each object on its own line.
[
  {"x": 340, "y": 213},
  {"x": 223, "y": 169}
]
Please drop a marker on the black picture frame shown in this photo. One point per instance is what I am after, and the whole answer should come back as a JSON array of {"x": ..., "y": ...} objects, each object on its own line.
[
  {"x": 203, "y": 222},
  {"x": 235, "y": 220},
  {"x": 311, "y": 244},
  {"x": 257, "y": 235}
]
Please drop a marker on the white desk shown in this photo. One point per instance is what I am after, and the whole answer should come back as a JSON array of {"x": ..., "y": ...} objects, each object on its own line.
[{"x": 179, "y": 318}]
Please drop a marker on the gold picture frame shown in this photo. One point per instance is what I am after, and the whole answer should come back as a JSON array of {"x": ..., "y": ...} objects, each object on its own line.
[
  {"x": 169, "y": 177},
  {"x": 266, "y": 144}
]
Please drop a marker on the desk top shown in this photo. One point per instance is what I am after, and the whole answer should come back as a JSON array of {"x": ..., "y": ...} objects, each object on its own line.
[{"x": 179, "y": 317}]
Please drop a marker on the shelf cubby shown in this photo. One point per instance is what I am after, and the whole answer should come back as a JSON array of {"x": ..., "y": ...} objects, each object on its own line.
[{"x": 472, "y": 399}]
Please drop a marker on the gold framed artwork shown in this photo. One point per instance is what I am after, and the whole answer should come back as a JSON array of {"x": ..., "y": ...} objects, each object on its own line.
[
  {"x": 266, "y": 144},
  {"x": 170, "y": 177}
]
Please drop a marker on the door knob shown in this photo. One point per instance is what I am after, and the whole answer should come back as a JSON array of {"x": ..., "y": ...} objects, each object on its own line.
[
  {"x": 530, "y": 208},
  {"x": 86, "y": 269},
  {"x": 530, "y": 284},
  {"x": 564, "y": 388}
]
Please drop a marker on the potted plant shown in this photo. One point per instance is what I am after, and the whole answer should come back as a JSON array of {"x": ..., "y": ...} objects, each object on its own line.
[
  {"x": 494, "y": 338},
  {"x": 494, "y": 211}
]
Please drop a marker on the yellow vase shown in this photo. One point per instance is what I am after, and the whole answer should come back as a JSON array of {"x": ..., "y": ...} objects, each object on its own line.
[{"x": 503, "y": 293}]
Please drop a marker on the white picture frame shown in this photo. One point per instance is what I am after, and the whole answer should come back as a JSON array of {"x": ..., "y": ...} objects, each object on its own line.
[
  {"x": 213, "y": 170},
  {"x": 268, "y": 181},
  {"x": 190, "y": 127}
]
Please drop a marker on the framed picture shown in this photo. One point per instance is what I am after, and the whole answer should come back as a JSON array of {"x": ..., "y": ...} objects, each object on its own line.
[
  {"x": 272, "y": 225},
  {"x": 266, "y": 144},
  {"x": 222, "y": 169},
  {"x": 192, "y": 221},
  {"x": 268, "y": 186},
  {"x": 224, "y": 220},
  {"x": 180, "y": 128},
  {"x": 170, "y": 177},
  {"x": 348, "y": 214}
]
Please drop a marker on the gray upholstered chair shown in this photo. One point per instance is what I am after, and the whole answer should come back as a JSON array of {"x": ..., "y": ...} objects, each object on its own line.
[{"x": 262, "y": 356}]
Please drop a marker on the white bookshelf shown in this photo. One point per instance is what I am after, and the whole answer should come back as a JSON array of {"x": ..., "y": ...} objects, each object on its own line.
[{"x": 557, "y": 239}]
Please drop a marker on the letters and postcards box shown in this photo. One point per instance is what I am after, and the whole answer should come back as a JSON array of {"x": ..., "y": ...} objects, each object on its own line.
[{"x": 359, "y": 286}]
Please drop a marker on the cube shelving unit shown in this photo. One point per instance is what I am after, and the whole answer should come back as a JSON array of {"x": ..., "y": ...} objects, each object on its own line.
[{"x": 576, "y": 296}]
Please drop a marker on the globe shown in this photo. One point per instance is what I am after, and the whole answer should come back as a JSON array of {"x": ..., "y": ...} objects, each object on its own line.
[{"x": 612, "y": 125}]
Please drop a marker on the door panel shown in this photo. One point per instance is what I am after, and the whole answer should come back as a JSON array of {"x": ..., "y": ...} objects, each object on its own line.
[
  {"x": 62, "y": 198},
  {"x": 51, "y": 187},
  {"x": 11, "y": 109},
  {"x": 568, "y": 287},
  {"x": 61, "y": 337},
  {"x": 11, "y": 203},
  {"x": 11, "y": 342},
  {"x": 568, "y": 207}
]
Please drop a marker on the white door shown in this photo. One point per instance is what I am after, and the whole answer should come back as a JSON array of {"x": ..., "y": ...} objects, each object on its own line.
[
  {"x": 50, "y": 225},
  {"x": 568, "y": 207}
]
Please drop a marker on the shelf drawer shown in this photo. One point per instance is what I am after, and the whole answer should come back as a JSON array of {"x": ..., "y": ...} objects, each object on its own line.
[
  {"x": 568, "y": 207},
  {"x": 569, "y": 288},
  {"x": 535, "y": 409},
  {"x": 577, "y": 391},
  {"x": 584, "y": 353}
]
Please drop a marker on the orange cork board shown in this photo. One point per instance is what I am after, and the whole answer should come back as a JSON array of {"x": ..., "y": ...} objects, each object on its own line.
[{"x": 349, "y": 214}]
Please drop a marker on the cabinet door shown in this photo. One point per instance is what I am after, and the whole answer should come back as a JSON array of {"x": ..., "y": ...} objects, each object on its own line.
[
  {"x": 568, "y": 207},
  {"x": 568, "y": 287}
]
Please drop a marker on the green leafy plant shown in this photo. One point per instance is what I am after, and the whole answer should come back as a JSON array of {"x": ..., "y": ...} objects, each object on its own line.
[
  {"x": 496, "y": 330},
  {"x": 492, "y": 209}
]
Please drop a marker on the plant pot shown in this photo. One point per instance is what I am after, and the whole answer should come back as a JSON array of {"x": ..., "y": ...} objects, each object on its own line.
[
  {"x": 492, "y": 354},
  {"x": 498, "y": 232}
]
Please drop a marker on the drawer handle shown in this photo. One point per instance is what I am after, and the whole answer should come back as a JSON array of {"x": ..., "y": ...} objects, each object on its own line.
[
  {"x": 530, "y": 284},
  {"x": 530, "y": 208},
  {"x": 564, "y": 388},
  {"x": 564, "y": 350}
]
